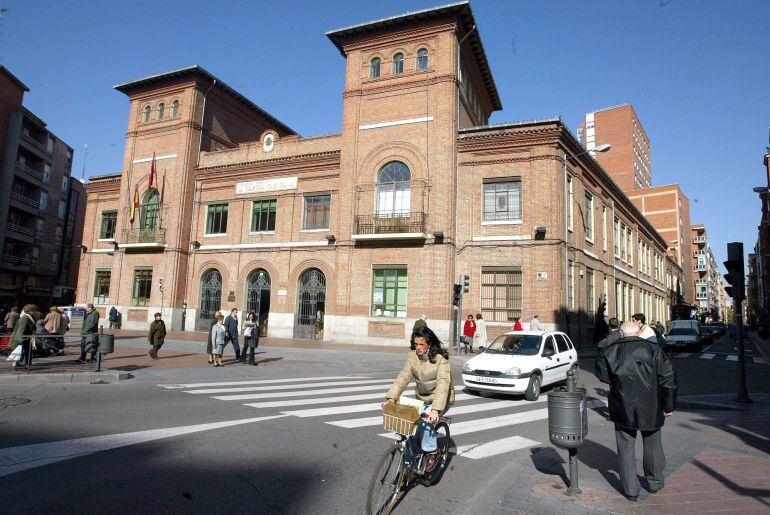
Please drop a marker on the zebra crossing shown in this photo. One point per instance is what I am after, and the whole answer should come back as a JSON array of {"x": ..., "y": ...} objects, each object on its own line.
[
  {"x": 353, "y": 402},
  {"x": 720, "y": 356}
]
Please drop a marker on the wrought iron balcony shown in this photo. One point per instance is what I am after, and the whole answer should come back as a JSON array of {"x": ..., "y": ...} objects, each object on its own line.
[
  {"x": 35, "y": 143},
  {"x": 29, "y": 171},
  {"x": 701, "y": 295},
  {"x": 699, "y": 239},
  {"x": 390, "y": 225},
  {"x": 146, "y": 237},
  {"x": 25, "y": 200},
  {"x": 19, "y": 229}
]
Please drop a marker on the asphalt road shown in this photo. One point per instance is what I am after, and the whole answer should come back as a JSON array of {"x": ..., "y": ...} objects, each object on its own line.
[{"x": 152, "y": 445}]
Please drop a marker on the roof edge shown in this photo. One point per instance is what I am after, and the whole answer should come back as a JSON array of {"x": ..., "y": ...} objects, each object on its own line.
[{"x": 13, "y": 78}]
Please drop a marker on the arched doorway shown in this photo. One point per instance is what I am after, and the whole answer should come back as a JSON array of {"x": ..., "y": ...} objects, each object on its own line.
[
  {"x": 149, "y": 218},
  {"x": 258, "y": 297},
  {"x": 311, "y": 305},
  {"x": 210, "y": 298}
]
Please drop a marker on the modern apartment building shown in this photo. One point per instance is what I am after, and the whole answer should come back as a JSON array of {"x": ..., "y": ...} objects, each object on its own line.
[
  {"x": 706, "y": 276},
  {"x": 668, "y": 210},
  {"x": 352, "y": 236},
  {"x": 41, "y": 206},
  {"x": 629, "y": 161}
]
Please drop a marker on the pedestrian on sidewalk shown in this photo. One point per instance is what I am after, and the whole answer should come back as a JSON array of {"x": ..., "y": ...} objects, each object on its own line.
[
  {"x": 113, "y": 317},
  {"x": 250, "y": 337},
  {"x": 209, "y": 345},
  {"x": 481, "y": 332},
  {"x": 218, "y": 340},
  {"x": 10, "y": 319},
  {"x": 612, "y": 336},
  {"x": 535, "y": 325},
  {"x": 157, "y": 335},
  {"x": 645, "y": 331},
  {"x": 65, "y": 324},
  {"x": 23, "y": 329},
  {"x": 517, "y": 325},
  {"x": 88, "y": 342},
  {"x": 53, "y": 325},
  {"x": 469, "y": 330},
  {"x": 642, "y": 393},
  {"x": 231, "y": 331}
]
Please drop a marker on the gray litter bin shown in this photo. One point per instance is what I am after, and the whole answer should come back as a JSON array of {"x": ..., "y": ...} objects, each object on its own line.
[
  {"x": 567, "y": 417},
  {"x": 106, "y": 343}
]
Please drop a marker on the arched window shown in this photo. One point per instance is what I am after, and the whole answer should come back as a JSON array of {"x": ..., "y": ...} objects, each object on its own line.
[
  {"x": 210, "y": 298},
  {"x": 374, "y": 67},
  {"x": 394, "y": 190},
  {"x": 175, "y": 108},
  {"x": 398, "y": 63},
  {"x": 161, "y": 108},
  {"x": 422, "y": 59},
  {"x": 147, "y": 111},
  {"x": 150, "y": 210}
]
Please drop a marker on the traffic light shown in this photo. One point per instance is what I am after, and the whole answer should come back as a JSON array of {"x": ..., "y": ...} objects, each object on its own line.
[
  {"x": 735, "y": 275},
  {"x": 464, "y": 281},
  {"x": 456, "y": 295}
]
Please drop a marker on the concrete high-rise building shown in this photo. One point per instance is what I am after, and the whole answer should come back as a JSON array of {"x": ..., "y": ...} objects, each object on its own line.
[
  {"x": 668, "y": 210},
  {"x": 629, "y": 162},
  {"x": 706, "y": 276},
  {"x": 41, "y": 206}
]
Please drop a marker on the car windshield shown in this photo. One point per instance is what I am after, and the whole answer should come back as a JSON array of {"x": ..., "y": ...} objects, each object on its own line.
[
  {"x": 516, "y": 344},
  {"x": 681, "y": 331}
]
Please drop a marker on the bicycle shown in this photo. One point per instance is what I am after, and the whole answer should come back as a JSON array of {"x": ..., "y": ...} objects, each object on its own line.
[{"x": 405, "y": 462}]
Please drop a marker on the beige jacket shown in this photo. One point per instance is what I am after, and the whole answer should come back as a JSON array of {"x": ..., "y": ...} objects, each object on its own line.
[
  {"x": 434, "y": 381},
  {"x": 53, "y": 323}
]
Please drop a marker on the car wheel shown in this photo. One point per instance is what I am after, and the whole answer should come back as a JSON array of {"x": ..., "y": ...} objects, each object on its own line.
[{"x": 533, "y": 388}]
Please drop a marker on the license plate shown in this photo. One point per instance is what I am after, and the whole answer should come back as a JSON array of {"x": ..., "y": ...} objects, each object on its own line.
[{"x": 491, "y": 380}]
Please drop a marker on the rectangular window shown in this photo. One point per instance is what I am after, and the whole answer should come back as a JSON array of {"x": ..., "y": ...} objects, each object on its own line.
[
  {"x": 389, "y": 292},
  {"x": 46, "y": 173},
  {"x": 140, "y": 294},
  {"x": 570, "y": 201},
  {"x": 43, "y": 200},
  {"x": 102, "y": 287},
  {"x": 501, "y": 293},
  {"x": 317, "y": 209},
  {"x": 588, "y": 222},
  {"x": 616, "y": 238},
  {"x": 590, "y": 295},
  {"x": 216, "y": 219},
  {"x": 604, "y": 228},
  {"x": 263, "y": 215},
  {"x": 65, "y": 183},
  {"x": 59, "y": 234},
  {"x": 571, "y": 286},
  {"x": 630, "y": 240},
  {"x": 109, "y": 223},
  {"x": 502, "y": 201},
  {"x": 62, "y": 209}
]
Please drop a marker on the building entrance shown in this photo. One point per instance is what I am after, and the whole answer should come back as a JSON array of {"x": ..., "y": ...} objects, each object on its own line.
[{"x": 311, "y": 305}]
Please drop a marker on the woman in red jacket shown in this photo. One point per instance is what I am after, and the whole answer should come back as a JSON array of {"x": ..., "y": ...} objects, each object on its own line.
[
  {"x": 469, "y": 329},
  {"x": 517, "y": 326}
]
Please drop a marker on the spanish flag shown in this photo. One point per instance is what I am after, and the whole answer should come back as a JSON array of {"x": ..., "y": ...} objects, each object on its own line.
[{"x": 135, "y": 204}]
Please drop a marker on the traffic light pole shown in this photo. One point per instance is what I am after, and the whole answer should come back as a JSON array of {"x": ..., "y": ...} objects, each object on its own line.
[
  {"x": 736, "y": 278},
  {"x": 743, "y": 392}
]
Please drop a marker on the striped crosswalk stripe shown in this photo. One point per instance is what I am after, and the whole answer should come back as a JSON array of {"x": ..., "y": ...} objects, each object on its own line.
[
  {"x": 275, "y": 395},
  {"x": 260, "y": 381},
  {"x": 287, "y": 387},
  {"x": 321, "y": 400},
  {"x": 477, "y": 451},
  {"x": 354, "y": 408},
  {"x": 731, "y": 357},
  {"x": 707, "y": 355}
]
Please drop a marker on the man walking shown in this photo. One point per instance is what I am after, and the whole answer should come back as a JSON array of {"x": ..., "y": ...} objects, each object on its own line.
[
  {"x": 113, "y": 317},
  {"x": 157, "y": 335},
  {"x": 645, "y": 331},
  {"x": 535, "y": 325},
  {"x": 642, "y": 393},
  {"x": 612, "y": 336},
  {"x": 88, "y": 332},
  {"x": 231, "y": 331}
]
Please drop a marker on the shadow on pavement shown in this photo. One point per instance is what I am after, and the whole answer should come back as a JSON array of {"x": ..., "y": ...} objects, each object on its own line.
[{"x": 759, "y": 494}]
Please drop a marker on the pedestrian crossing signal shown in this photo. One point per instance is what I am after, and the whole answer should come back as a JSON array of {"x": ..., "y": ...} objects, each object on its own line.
[{"x": 456, "y": 295}]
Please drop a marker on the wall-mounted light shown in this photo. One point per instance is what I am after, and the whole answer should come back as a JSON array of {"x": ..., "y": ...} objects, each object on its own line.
[
  {"x": 439, "y": 235},
  {"x": 539, "y": 233},
  {"x": 195, "y": 244},
  {"x": 82, "y": 247},
  {"x": 331, "y": 238}
]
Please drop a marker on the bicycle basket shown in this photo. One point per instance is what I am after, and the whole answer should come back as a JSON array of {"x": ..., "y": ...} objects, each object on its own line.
[{"x": 400, "y": 418}]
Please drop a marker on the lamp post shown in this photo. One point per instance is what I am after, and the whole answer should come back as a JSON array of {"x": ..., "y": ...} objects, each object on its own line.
[{"x": 600, "y": 148}]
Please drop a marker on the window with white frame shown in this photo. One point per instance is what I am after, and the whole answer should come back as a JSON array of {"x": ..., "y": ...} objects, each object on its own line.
[
  {"x": 102, "y": 287},
  {"x": 588, "y": 216},
  {"x": 502, "y": 200},
  {"x": 590, "y": 294},
  {"x": 422, "y": 59},
  {"x": 374, "y": 67},
  {"x": 175, "y": 108},
  {"x": 398, "y": 63},
  {"x": 317, "y": 210},
  {"x": 570, "y": 202},
  {"x": 216, "y": 219},
  {"x": 571, "y": 286},
  {"x": 389, "y": 291},
  {"x": 604, "y": 228},
  {"x": 161, "y": 110}
]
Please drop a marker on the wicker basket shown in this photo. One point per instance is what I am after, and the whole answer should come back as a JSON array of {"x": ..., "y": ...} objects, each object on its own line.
[{"x": 400, "y": 418}]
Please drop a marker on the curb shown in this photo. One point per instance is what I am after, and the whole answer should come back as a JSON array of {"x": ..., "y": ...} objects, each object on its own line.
[{"x": 74, "y": 377}]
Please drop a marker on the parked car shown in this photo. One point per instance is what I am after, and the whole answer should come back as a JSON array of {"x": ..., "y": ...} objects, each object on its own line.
[
  {"x": 521, "y": 362},
  {"x": 706, "y": 335},
  {"x": 683, "y": 334}
]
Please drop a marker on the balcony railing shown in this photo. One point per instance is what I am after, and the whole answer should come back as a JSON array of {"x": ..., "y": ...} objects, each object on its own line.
[
  {"x": 699, "y": 253},
  {"x": 702, "y": 296},
  {"x": 35, "y": 143},
  {"x": 700, "y": 268},
  {"x": 20, "y": 229},
  {"x": 699, "y": 239},
  {"x": 29, "y": 171},
  {"x": 25, "y": 200},
  {"x": 17, "y": 260},
  {"x": 144, "y": 236},
  {"x": 390, "y": 224}
]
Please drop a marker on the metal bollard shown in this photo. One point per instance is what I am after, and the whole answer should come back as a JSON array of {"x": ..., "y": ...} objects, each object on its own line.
[{"x": 568, "y": 423}]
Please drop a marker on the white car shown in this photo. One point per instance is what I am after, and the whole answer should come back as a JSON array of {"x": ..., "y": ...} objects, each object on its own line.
[{"x": 521, "y": 362}]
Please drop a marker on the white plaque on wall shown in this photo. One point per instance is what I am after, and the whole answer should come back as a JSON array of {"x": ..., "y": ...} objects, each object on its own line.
[
  {"x": 282, "y": 293},
  {"x": 282, "y": 183}
]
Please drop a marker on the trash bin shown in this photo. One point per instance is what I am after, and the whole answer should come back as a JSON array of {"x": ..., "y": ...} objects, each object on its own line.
[
  {"x": 567, "y": 417},
  {"x": 106, "y": 343}
]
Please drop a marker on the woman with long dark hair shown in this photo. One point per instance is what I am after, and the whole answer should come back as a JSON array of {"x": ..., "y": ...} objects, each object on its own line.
[
  {"x": 428, "y": 365},
  {"x": 250, "y": 337}
]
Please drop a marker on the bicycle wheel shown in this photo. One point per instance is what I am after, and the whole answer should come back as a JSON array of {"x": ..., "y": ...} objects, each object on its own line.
[
  {"x": 442, "y": 446},
  {"x": 386, "y": 482}
]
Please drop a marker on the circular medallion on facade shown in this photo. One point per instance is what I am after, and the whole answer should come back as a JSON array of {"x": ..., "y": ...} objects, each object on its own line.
[{"x": 268, "y": 142}]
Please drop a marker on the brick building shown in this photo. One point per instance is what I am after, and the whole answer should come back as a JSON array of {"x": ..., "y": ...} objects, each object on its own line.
[
  {"x": 352, "y": 236},
  {"x": 668, "y": 210},
  {"x": 41, "y": 206},
  {"x": 629, "y": 162}
]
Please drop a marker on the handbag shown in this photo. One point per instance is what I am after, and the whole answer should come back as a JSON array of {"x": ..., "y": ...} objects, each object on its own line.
[
  {"x": 249, "y": 332},
  {"x": 15, "y": 355}
]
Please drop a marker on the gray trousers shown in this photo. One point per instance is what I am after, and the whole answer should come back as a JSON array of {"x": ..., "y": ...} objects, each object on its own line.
[{"x": 653, "y": 462}]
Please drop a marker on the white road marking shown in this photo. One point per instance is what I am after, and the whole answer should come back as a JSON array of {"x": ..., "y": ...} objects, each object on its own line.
[
  {"x": 355, "y": 408},
  {"x": 275, "y": 395},
  {"x": 320, "y": 400},
  {"x": 482, "y": 424},
  {"x": 762, "y": 361},
  {"x": 261, "y": 381},
  {"x": 286, "y": 386},
  {"x": 707, "y": 355},
  {"x": 485, "y": 450},
  {"x": 459, "y": 410},
  {"x": 731, "y": 357},
  {"x": 25, "y": 457}
]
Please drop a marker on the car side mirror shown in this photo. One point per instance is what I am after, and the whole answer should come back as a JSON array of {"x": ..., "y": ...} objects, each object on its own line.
[{"x": 548, "y": 353}]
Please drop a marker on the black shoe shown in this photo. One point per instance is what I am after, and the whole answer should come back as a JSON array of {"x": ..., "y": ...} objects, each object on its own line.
[
  {"x": 655, "y": 490},
  {"x": 632, "y": 498}
]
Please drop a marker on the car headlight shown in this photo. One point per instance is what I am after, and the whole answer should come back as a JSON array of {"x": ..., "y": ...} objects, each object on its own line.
[
  {"x": 467, "y": 368},
  {"x": 513, "y": 371}
]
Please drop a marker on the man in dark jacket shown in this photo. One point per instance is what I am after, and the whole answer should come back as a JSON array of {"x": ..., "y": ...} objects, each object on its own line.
[
  {"x": 23, "y": 328},
  {"x": 642, "y": 393},
  {"x": 157, "y": 335},
  {"x": 88, "y": 342},
  {"x": 612, "y": 336},
  {"x": 231, "y": 331},
  {"x": 113, "y": 316}
]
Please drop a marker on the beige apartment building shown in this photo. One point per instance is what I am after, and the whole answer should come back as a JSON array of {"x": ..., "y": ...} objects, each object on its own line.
[
  {"x": 707, "y": 279},
  {"x": 350, "y": 237}
]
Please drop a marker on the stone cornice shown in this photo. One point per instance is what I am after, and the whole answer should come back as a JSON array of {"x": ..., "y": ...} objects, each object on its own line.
[
  {"x": 413, "y": 34},
  {"x": 480, "y": 162},
  {"x": 104, "y": 186},
  {"x": 420, "y": 81},
  {"x": 320, "y": 160},
  {"x": 181, "y": 125}
]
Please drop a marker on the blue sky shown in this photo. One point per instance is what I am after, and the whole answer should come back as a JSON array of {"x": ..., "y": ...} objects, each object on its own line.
[{"x": 696, "y": 72}]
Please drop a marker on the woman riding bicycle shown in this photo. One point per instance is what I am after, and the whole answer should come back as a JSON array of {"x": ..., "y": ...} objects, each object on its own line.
[{"x": 428, "y": 365}]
